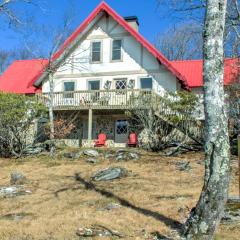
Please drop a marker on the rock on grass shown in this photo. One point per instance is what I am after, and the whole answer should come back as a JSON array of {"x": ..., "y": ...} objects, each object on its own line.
[
  {"x": 109, "y": 174},
  {"x": 91, "y": 153},
  {"x": 17, "y": 178}
]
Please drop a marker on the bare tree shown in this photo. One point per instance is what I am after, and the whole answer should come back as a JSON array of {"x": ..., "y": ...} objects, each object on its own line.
[
  {"x": 189, "y": 12},
  {"x": 181, "y": 42},
  {"x": 8, "y": 12},
  {"x": 69, "y": 60},
  {"x": 8, "y": 56},
  {"x": 184, "y": 10},
  {"x": 57, "y": 40},
  {"x": 205, "y": 217},
  {"x": 4, "y": 60}
]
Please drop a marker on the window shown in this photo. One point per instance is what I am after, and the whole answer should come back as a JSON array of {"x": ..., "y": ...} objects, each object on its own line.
[
  {"x": 121, "y": 84},
  {"x": 94, "y": 85},
  {"x": 146, "y": 83},
  {"x": 68, "y": 87},
  {"x": 121, "y": 127},
  {"x": 117, "y": 50},
  {"x": 96, "y": 51}
]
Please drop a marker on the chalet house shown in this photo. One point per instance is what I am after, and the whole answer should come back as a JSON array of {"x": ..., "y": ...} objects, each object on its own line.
[{"x": 102, "y": 70}]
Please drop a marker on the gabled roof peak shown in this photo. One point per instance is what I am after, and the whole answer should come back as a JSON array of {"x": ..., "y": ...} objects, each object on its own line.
[{"x": 103, "y": 6}]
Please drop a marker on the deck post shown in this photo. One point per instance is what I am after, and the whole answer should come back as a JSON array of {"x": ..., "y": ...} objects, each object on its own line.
[{"x": 90, "y": 118}]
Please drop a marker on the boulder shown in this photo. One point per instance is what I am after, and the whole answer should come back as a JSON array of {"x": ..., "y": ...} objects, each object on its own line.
[
  {"x": 8, "y": 191},
  {"x": 125, "y": 155},
  {"x": 17, "y": 178},
  {"x": 109, "y": 155},
  {"x": 73, "y": 155},
  {"x": 121, "y": 157},
  {"x": 109, "y": 174},
  {"x": 97, "y": 231},
  {"x": 92, "y": 160},
  {"x": 110, "y": 207},
  {"x": 121, "y": 151},
  {"x": 33, "y": 150},
  {"x": 133, "y": 156},
  {"x": 13, "y": 191},
  {"x": 232, "y": 212},
  {"x": 91, "y": 153}
]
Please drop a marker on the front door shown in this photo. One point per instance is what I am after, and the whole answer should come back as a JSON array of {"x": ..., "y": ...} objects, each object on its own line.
[{"x": 121, "y": 131}]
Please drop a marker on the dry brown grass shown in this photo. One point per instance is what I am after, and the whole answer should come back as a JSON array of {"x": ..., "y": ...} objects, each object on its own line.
[{"x": 153, "y": 197}]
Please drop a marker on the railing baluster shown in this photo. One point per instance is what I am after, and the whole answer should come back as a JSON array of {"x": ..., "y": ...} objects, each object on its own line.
[{"x": 114, "y": 98}]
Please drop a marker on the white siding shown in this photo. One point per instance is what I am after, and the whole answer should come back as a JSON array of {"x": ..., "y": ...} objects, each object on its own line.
[{"x": 136, "y": 61}]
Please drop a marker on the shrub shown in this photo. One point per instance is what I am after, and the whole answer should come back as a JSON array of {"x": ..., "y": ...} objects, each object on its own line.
[{"x": 17, "y": 113}]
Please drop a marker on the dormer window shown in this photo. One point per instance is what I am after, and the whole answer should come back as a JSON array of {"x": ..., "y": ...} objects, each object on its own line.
[
  {"x": 96, "y": 52},
  {"x": 117, "y": 50}
]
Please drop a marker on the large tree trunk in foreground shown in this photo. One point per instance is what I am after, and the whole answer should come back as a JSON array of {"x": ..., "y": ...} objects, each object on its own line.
[{"x": 206, "y": 216}]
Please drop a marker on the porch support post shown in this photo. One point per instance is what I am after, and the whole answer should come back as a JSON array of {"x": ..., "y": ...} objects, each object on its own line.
[{"x": 90, "y": 117}]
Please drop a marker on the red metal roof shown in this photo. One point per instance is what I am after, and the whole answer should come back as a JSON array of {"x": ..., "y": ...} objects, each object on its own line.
[
  {"x": 193, "y": 71},
  {"x": 19, "y": 74}
]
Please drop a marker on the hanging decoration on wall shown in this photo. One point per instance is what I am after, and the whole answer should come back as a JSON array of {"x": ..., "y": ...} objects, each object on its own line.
[
  {"x": 131, "y": 83},
  {"x": 107, "y": 85}
]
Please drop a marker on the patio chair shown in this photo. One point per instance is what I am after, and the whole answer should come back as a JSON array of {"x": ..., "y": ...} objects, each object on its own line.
[
  {"x": 101, "y": 142},
  {"x": 132, "y": 140}
]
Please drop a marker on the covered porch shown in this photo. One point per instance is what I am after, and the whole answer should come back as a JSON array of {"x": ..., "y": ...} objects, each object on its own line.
[{"x": 90, "y": 123}]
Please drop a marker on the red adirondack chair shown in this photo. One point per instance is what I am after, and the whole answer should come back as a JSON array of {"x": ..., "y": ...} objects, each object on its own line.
[
  {"x": 132, "y": 140},
  {"x": 101, "y": 140}
]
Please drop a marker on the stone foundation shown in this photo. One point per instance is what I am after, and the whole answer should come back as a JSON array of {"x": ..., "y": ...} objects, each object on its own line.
[
  {"x": 91, "y": 143},
  {"x": 71, "y": 142}
]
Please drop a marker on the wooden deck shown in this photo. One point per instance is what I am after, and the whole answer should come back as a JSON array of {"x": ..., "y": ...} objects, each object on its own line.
[{"x": 98, "y": 99}]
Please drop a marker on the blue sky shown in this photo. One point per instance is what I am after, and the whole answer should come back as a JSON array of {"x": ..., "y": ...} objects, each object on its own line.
[{"x": 50, "y": 13}]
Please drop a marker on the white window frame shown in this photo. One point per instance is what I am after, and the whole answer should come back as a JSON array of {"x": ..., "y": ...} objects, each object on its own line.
[
  {"x": 67, "y": 81},
  {"x": 66, "y": 92},
  {"x": 94, "y": 80},
  {"x": 111, "y": 53},
  {"x": 94, "y": 96},
  {"x": 91, "y": 51}
]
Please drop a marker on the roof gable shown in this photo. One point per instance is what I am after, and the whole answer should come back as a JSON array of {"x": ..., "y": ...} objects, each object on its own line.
[{"x": 105, "y": 8}]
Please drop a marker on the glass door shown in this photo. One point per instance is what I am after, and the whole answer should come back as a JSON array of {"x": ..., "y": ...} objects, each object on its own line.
[
  {"x": 94, "y": 85},
  {"x": 121, "y": 131}
]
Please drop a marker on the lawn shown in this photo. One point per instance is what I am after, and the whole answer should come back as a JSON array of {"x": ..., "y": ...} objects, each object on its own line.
[{"x": 155, "y": 196}]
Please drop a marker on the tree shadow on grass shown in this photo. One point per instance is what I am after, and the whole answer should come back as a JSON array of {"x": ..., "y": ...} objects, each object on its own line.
[{"x": 168, "y": 221}]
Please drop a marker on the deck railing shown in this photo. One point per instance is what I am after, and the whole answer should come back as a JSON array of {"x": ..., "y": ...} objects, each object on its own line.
[{"x": 98, "y": 99}]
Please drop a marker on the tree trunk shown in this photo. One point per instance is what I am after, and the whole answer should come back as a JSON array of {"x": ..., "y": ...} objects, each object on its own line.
[
  {"x": 205, "y": 217},
  {"x": 51, "y": 116}
]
